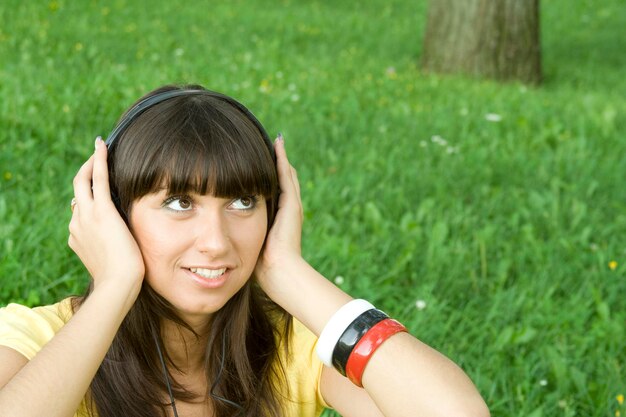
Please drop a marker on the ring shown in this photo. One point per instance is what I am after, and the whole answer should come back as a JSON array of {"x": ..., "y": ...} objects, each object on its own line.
[{"x": 73, "y": 204}]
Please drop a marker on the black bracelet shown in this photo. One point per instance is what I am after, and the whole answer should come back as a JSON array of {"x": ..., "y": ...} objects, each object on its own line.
[{"x": 351, "y": 336}]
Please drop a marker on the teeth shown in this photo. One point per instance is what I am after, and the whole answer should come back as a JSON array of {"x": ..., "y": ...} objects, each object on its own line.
[{"x": 208, "y": 273}]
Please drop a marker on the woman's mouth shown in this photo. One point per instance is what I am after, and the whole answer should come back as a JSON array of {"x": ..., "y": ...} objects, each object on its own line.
[
  {"x": 208, "y": 273},
  {"x": 207, "y": 277}
]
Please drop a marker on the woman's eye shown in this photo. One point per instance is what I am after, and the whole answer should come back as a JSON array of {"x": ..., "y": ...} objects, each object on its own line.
[
  {"x": 178, "y": 203},
  {"x": 244, "y": 203}
]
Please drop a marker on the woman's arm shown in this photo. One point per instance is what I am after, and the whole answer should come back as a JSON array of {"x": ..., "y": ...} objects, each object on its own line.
[
  {"x": 404, "y": 377},
  {"x": 55, "y": 381}
]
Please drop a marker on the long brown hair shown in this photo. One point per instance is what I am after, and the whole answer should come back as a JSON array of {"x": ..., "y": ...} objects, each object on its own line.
[{"x": 204, "y": 144}]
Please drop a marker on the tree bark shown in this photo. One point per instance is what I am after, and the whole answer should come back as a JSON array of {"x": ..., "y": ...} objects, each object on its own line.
[{"x": 496, "y": 39}]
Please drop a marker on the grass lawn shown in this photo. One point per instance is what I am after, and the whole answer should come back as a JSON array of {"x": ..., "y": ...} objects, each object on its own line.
[{"x": 489, "y": 218}]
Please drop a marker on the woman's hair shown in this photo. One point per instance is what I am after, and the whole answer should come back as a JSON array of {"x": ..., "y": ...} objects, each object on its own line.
[{"x": 205, "y": 144}]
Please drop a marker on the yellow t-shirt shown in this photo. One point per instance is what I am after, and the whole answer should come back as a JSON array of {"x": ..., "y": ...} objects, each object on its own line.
[{"x": 27, "y": 330}]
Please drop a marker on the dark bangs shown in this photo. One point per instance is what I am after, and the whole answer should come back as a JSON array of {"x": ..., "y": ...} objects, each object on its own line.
[{"x": 193, "y": 144}]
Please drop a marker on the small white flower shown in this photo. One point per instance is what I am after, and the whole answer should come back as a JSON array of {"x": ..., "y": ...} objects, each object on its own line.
[
  {"x": 493, "y": 117},
  {"x": 438, "y": 140},
  {"x": 420, "y": 304},
  {"x": 391, "y": 73},
  {"x": 339, "y": 280},
  {"x": 295, "y": 97},
  {"x": 179, "y": 51},
  {"x": 543, "y": 382},
  {"x": 264, "y": 87}
]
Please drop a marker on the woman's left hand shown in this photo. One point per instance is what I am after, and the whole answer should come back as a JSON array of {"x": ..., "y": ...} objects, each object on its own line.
[{"x": 284, "y": 237}]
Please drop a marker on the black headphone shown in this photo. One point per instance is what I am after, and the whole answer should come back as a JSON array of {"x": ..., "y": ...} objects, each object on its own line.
[{"x": 148, "y": 102}]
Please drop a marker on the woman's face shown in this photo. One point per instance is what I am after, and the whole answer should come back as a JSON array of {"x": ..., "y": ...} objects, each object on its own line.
[{"x": 198, "y": 250}]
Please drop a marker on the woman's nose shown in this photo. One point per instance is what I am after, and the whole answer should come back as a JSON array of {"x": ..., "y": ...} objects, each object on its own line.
[{"x": 212, "y": 235}]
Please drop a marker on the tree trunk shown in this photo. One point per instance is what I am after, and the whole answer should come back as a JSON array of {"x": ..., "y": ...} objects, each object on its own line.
[{"x": 486, "y": 38}]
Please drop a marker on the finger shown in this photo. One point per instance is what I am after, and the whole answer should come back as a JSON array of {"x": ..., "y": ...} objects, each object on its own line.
[
  {"x": 73, "y": 227},
  {"x": 294, "y": 179},
  {"x": 296, "y": 184},
  {"x": 282, "y": 163},
  {"x": 73, "y": 208},
  {"x": 101, "y": 190},
  {"x": 285, "y": 179},
  {"x": 82, "y": 183}
]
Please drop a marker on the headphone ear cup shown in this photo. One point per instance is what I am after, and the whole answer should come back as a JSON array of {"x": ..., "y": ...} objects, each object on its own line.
[{"x": 118, "y": 205}]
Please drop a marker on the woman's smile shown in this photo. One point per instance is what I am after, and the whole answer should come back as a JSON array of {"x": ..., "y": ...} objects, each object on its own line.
[
  {"x": 208, "y": 277},
  {"x": 208, "y": 273}
]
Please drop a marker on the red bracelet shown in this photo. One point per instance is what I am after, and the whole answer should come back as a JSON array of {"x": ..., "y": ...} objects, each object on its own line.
[{"x": 368, "y": 344}]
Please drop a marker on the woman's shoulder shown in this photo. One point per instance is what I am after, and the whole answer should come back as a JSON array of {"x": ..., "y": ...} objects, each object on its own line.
[
  {"x": 55, "y": 314},
  {"x": 28, "y": 329}
]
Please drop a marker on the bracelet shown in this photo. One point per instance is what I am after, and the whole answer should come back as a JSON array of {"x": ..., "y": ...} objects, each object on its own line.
[
  {"x": 362, "y": 352},
  {"x": 351, "y": 336},
  {"x": 336, "y": 326}
]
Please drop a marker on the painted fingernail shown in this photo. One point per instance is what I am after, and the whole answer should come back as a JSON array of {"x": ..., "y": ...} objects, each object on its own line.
[
  {"x": 97, "y": 143},
  {"x": 280, "y": 138}
]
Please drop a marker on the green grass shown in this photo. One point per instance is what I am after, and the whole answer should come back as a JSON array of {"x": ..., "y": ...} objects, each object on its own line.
[{"x": 505, "y": 230}]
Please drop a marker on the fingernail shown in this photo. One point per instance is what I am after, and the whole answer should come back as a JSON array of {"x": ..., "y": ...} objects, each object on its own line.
[
  {"x": 280, "y": 138},
  {"x": 97, "y": 143}
]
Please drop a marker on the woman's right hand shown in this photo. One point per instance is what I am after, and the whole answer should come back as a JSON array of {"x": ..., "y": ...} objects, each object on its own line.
[{"x": 98, "y": 234}]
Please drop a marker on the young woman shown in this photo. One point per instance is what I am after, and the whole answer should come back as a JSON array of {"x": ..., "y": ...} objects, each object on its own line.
[{"x": 200, "y": 303}]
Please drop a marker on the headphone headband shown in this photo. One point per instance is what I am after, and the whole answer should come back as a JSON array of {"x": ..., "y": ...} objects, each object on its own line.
[{"x": 148, "y": 102}]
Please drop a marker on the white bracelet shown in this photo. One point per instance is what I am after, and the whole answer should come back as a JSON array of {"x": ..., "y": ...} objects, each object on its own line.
[{"x": 335, "y": 327}]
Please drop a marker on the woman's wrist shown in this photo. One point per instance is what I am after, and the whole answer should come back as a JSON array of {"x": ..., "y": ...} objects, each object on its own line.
[
  {"x": 269, "y": 273},
  {"x": 303, "y": 292},
  {"x": 121, "y": 293}
]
